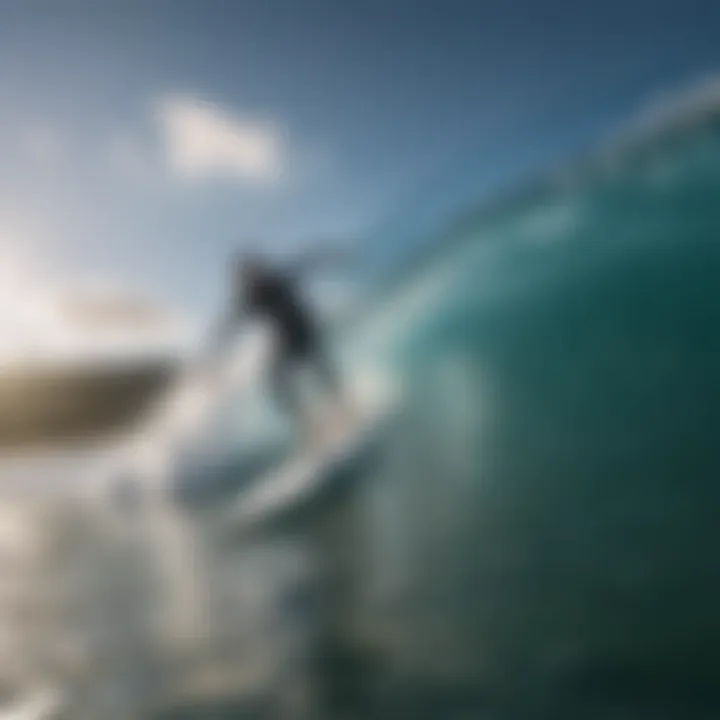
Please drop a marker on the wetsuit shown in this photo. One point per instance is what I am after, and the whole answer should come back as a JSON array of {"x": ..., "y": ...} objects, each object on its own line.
[{"x": 274, "y": 297}]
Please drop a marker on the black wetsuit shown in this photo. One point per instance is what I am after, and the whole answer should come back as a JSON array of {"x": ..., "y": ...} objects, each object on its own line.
[{"x": 274, "y": 297}]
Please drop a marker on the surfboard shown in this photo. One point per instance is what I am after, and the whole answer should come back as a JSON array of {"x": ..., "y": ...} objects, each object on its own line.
[{"x": 300, "y": 488}]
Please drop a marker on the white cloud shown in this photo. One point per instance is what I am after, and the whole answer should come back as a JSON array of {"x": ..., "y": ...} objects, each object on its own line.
[
  {"x": 43, "y": 318},
  {"x": 202, "y": 141}
]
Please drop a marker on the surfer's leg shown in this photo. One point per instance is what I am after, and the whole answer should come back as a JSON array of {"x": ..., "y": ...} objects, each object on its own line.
[
  {"x": 325, "y": 371},
  {"x": 286, "y": 393},
  {"x": 342, "y": 412},
  {"x": 281, "y": 382}
]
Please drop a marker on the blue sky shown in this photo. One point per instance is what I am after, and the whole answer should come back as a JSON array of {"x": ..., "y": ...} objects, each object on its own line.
[{"x": 143, "y": 139}]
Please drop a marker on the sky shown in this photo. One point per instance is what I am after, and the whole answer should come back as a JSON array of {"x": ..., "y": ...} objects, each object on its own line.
[{"x": 143, "y": 140}]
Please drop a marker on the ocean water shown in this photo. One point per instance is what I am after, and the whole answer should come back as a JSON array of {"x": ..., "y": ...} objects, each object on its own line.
[
  {"x": 537, "y": 537},
  {"x": 542, "y": 537}
]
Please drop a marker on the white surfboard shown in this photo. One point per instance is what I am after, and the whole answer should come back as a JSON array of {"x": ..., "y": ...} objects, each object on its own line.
[{"x": 297, "y": 487}]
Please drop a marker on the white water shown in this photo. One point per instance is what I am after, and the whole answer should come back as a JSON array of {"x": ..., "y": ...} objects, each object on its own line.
[
  {"x": 136, "y": 600},
  {"x": 108, "y": 610}
]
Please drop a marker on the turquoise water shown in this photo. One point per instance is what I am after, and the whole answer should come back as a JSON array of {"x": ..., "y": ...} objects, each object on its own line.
[{"x": 542, "y": 535}]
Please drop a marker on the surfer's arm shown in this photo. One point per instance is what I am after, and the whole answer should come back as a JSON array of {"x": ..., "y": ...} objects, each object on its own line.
[
  {"x": 222, "y": 335},
  {"x": 321, "y": 257}
]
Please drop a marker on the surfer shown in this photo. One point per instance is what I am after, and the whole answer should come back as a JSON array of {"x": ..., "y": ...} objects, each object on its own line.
[{"x": 273, "y": 295}]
